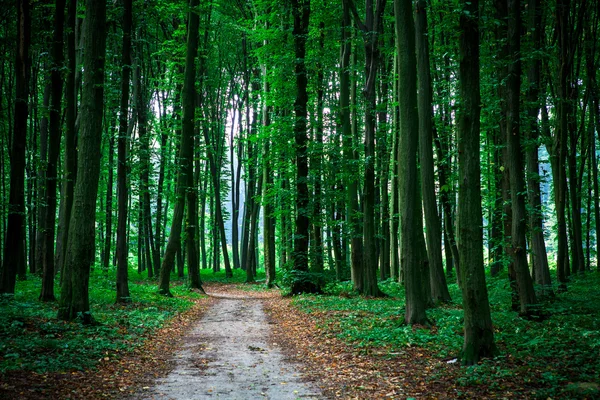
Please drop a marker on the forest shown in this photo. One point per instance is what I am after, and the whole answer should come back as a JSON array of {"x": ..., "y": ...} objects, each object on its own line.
[{"x": 407, "y": 188}]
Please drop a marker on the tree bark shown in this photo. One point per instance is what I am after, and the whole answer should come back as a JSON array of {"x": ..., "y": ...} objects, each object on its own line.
[
  {"x": 185, "y": 171},
  {"x": 437, "y": 279},
  {"x": 301, "y": 13},
  {"x": 14, "y": 250},
  {"x": 539, "y": 255},
  {"x": 478, "y": 330},
  {"x": 413, "y": 259},
  {"x": 74, "y": 300},
  {"x": 122, "y": 250},
  {"x": 47, "y": 293},
  {"x": 518, "y": 248}
]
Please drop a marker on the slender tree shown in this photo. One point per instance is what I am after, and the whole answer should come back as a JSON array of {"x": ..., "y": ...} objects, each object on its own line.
[
  {"x": 122, "y": 167},
  {"x": 185, "y": 170},
  {"x": 47, "y": 293},
  {"x": 478, "y": 330},
  {"x": 14, "y": 251},
  {"x": 437, "y": 279},
  {"x": 413, "y": 258},
  {"x": 74, "y": 299}
]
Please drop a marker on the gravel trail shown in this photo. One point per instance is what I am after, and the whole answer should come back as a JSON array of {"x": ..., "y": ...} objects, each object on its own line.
[{"x": 229, "y": 355}]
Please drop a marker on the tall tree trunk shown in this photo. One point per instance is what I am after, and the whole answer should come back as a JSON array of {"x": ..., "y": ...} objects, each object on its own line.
[
  {"x": 267, "y": 197},
  {"x": 515, "y": 165},
  {"x": 301, "y": 12},
  {"x": 14, "y": 250},
  {"x": 351, "y": 166},
  {"x": 478, "y": 330},
  {"x": 47, "y": 293},
  {"x": 185, "y": 171},
  {"x": 413, "y": 258},
  {"x": 437, "y": 279},
  {"x": 109, "y": 201},
  {"x": 74, "y": 299},
  {"x": 70, "y": 163},
  {"x": 560, "y": 141},
  {"x": 122, "y": 167},
  {"x": 371, "y": 29},
  {"x": 539, "y": 255}
]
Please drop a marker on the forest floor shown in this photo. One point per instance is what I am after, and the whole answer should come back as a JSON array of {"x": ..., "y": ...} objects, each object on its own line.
[
  {"x": 229, "y": 353},
  {"x": 246, "y": 342}
]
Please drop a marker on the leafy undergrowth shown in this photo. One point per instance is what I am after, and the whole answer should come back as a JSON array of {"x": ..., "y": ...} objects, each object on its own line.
[
  {"x": 558, "y": 357},
  {"x": 36, "y": 347}
]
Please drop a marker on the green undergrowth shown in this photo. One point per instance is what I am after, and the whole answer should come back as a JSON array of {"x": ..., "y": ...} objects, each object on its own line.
[
  {"x": 549, "y": 355},
  {"x": 31, "y": 338},
  {"x": 239, "y": 276}
]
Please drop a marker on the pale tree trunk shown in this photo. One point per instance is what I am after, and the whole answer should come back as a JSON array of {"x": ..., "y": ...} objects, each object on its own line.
[
  {"x": 74, "y": 299},
  {"x": 478, "y": 329}
]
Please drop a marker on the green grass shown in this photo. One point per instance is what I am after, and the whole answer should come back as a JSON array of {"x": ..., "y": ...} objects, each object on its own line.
[
  {"x": 31, "y": 338},
  {"x": 549, "y": 354}
]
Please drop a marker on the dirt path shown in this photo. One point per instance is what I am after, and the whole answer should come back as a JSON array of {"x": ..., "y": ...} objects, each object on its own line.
[{"x": 229, "y": 355}]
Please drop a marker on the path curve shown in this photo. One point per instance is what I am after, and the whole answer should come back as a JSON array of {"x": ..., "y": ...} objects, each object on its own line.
[{"x": 229, "y": 355}]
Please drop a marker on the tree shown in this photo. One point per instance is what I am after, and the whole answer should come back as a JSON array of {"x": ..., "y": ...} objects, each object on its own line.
[
  {"x": 14, "y": 251},
  {"x": 371, "y": 29},
  {"x": 47, "y": 293},
  {"x": 301, "y": 13},
  {"x": 437, "y": 279},
  {"x": 74, "y": 299},
  {"x": 413, "y": 260},
  {"x": 123, "y": 295},
  {"x": 185, "y": 171},
  {"x": 515, "y": 165},
  {"x": 478, "y": 330}
]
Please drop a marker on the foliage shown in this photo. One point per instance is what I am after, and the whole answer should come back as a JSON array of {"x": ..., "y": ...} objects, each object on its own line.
[
  {"x": 31, "y": 338},
  {"x": 546, "y": 355}
]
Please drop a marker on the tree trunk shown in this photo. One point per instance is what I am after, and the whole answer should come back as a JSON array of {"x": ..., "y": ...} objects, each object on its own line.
[
  {"x": 14, "y": 250},
  {"x": 122, "y": 167},
  {"x": 413, "y": 258},
  {"x": 47, "y": 293},
  {"x": 515, "y": 166},
  {"x": 74, "y": 300},
  {"x": 185, "y": 171},
  {"x": 70, "y": 165},
  {"x": 539, "y": 255},
  {"x": 351, "y": 166},
  {"x": 478, "y": 330},
  {"x": 437, "y": 279},
  {"x": 301, "y": 12}
]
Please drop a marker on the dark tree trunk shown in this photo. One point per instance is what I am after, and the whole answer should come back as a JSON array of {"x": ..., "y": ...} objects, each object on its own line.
[
  {"x": 122, "y": 250},
  {"x": 437, "y": 279},
  {"x": 301, "y": 12},
  {"x": 518, "y": 247},
  {"x": 14, "y": 250},
  {"x": 538, "y": 251},
  {"x": 70, "y": 164},
  {"x": 413, "y": 259},
  {"x": 47, "y": 293},
  {"x": 74, "y": 299},
  {"x": 185, "y": 171},
  {"x": 559, "y": 155},
  {"x": 478, "y": 329},
  {"x": 351, "y": 166}
]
